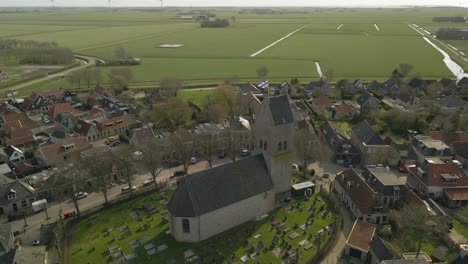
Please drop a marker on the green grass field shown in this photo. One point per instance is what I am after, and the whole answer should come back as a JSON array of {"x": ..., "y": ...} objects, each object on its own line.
[
  {"x": 356, "y": 50},
  {"x": 91, "y": 238}
]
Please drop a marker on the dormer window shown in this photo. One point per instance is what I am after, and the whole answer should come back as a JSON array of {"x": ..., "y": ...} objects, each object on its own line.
[
  {"x": 109, "y": 124},
  {"x": 11, "y": 194},
  {"x": 119, "y": 122},
  {"x": 69, "y": 146}
]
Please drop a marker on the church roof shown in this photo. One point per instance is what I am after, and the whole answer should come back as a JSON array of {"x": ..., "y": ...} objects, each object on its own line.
[
  {"x": 281, "y": 110},
  {"x": 210, "y": 190}
]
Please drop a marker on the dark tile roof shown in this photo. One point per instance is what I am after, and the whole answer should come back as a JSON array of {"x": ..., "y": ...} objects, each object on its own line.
[
  {"x": 209, "y": 190},
  {"x": 382, "y": 249},
  {"x": 461, "y": 149},
  {"x": 451, "y": 101},
  {"x": 458, "y": 260},
  {"x": 406, "y": 147},
  {"x": 316, "y": 84},
  {"x": 417, "y": 83},
  {"x": 248, "y": 88},
  {"x": 23, "y": 191},
  {"x": 336, "y": 138},
  {"x": 366, "y": 134},
  {"x": 60, "y": 134},
  {"x": 281, "y": 110}
]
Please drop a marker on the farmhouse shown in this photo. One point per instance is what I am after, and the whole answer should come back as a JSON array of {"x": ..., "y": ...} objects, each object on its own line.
[
  {"x": 210, "y": 202},
  {"x": 372, "y": 147}
]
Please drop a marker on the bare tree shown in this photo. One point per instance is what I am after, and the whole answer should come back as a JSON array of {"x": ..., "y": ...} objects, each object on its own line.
[
  {"x": 184, "y": 148},
  {"x": 124, "y": 165},
  {"x": 309, "y": 149},
  {"x": 209, "y": 141},
  {"x": 170, "y": 86},
  {"x": 152, "y": 159},
  {"x": 227, "y": 95},
  {"x": 100, "y": 169},
  {"x": 405, "y": 69}
]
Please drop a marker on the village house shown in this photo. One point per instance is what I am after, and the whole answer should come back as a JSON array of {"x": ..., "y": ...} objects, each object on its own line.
[
  {"x": 15, "y": 196},
  {"x": 61, "y": 108},
  {"x": 140, "y": 136},
  {"x": 242, "y": 190},
  {"x": 449, "y": 137},
  {"x": 407, "y": 100},
  {"x": 436, "y": 178},
  {"x": 418, "y": 84},
  {"x": 316, "y": 88},
  {"x": 63, "y": 151},
  {"x": 42, "y": 102},
  {"x": 102, "y": 126},
  {"x": 405, "y": 155},
  {"x": 11, "y": 154},
  {"x": 381, "y": 250},
  {"x": 357, "y": 244},
  {"x": 342, "y": 112},
  {"x": 387, "y": 185},
  {"x": 322, "y": 103},
  {"x": 19, "y": 136},
  {"x": 451, "y": 103},
  {"x": 14, "y": 119},
  {"x": 372, "y": 147},
  {"x": 368, "y": 103},
  {"x": 359, "y": 198},
  {"x": 339, "y": 142},
  {"x": 426, "y": 147}
]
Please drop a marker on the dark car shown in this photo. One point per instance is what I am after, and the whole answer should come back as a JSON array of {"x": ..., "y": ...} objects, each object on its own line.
[
  {"x": 178, "y": 174},
  {"x": 245, "y": 153},
  {"x": 221, "y": 154}
]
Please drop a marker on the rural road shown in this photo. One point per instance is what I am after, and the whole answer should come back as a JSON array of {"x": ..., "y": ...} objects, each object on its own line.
[{"x": 89, "y": 61}]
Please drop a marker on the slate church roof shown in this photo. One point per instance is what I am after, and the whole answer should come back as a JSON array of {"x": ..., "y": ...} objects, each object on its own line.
[
  {"x": 213, "y": 189},
  {"x": 281, "y": 110}
]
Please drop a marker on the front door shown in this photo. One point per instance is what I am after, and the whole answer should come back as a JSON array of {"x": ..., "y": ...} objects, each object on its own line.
[
  {"x": 2, "y": 211},
  {"x": 377, "y": 220},
  {"x": 15, "y": 207}
]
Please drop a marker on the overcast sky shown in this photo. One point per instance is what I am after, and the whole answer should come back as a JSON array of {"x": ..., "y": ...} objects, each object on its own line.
[{"x": 234, "y": 2}]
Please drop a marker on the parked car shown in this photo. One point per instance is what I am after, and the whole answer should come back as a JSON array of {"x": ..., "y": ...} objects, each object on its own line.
[
  {"x": 127, "y": 189},
  {"x": 68, "y": 214},
  {"x": 46, "y": 120},
  {"x": 110, "y": 140},
  {"x": 115, "y": 143},
  {"x": 178, "y": 173},
  {"x": 221, "y": 154},
  {"x": 36, "y": 243},
  {"x": 193, "y": 160},
  {"x": 148, "y": 182},
  {"x": 81, "y": 195},
  {"x": 245, "y": 153}
]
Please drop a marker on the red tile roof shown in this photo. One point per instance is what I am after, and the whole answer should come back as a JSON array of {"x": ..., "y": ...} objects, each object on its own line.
[
  {"x": 104, "y": 124},
  {"x": 449, "y": 137},
  {"x": 457, "y": 194},
  {"x": 344, "y": 108},
  {"x": 436, "y": 172},
  {"x": 18, "y": 136},
  {"x": 53, "y": 150},
  {"x": 62, "y": 108},
  {"x": 361, "y": 235},
  {"x": 322, "y": 101},
  {"x": 361, "y": 194}
]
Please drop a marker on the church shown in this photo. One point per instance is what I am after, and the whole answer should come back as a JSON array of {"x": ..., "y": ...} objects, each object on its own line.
[{"x": 210, "y": 202}]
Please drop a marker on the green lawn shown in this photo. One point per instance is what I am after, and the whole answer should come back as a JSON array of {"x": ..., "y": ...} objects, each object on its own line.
[
  {"x": 90, "y": 238},
  {"x": 460, "y": 228},
  {"x": 345, "y": 126},
  {"x": 196, "y": 96}
]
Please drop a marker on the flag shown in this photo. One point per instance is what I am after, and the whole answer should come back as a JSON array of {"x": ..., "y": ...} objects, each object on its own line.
[{"x": 264, "y": 84}]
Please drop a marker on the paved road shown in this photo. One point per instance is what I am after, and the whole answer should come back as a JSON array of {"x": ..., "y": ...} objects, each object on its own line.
[
  {"x": 89, "y": 61},
  {"x": 95, "y": 199}
]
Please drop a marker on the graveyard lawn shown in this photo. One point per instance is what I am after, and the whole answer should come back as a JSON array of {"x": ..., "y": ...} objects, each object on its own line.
[{"x": 95, "y": 235}]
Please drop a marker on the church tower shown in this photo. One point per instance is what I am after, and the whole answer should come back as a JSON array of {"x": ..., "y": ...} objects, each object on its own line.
[{"x": 274, "y": 128}]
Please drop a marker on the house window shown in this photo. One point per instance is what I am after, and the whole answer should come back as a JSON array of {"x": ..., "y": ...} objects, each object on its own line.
[
  {"x": 11, "y": 195},
  {"x": 24, "y": 203},
  {"x": 384, "y": 219},
  {"x": 280, "y": 146},
  {"x": 261, "y": 144},
  {"x": 265, "y": 147},
  {"x": 185, "y": 225},
  {"x": 285, "y": 145}
]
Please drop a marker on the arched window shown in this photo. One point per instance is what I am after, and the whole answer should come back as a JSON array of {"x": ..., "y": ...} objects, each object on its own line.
[
  {"x": 280, "y": 146},
  {"x": 285, "y": 145},
  {"x": 261, "y": 144},
  {"x": 265, "y": 147},
  {"x": 185, "y": 225}
]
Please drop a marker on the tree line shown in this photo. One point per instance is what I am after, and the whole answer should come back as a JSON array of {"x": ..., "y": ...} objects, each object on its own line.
[
  {"x": 451, "y": 34},
  {"x": 34, "y": 52},
  {"x": 456, "y": 19},
  {"x": 217, "y": 23}
]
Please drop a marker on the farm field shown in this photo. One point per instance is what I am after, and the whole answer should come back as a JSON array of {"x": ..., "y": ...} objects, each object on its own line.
[
  {"x": 352, "y": 43},
  {"x": 93, "y": 236}
]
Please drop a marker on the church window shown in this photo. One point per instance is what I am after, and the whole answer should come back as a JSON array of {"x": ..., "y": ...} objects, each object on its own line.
[
  {"x": 285, "y": 145},
  {"x": 265, "y": 147},
  {"x": 185, "y": 225},
  {"x": 280, "y": 146},
  {"x": 261, "y": 144}
]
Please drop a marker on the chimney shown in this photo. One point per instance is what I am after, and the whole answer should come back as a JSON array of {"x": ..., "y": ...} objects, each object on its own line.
[{"x": 350, "y": 184}]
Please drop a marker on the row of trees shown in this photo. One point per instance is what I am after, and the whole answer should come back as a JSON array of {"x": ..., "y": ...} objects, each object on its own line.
[
  {"x": 217, "y": 23},
  {"x": 451, "y": 34},
  {"x": 39, "y": 53},
  {"x": 456, "y": 19},
  {"x": 119, "y": 78}
]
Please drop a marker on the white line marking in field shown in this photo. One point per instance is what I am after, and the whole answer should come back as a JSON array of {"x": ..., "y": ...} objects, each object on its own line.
[
  {"x": 276, "y": 42},
  {"x": 366, "y": 34},
  {"x": 338, "y": 28},
  {"x": 415, "y": 29},
  {"x": 462, "y": 53},
  {"x": 319, "y": 70},
  {"x": 376, "y": 27}
]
